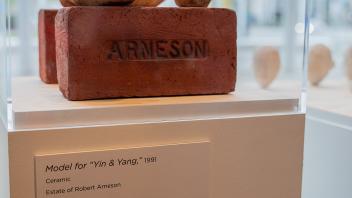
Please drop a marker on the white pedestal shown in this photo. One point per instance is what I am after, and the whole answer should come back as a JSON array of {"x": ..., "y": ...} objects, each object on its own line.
[
  {"x": 328, "y": 146},
  {"x": 37, "y": 105},
  {"x": 255, "y": 138},
  {"x": 4, "y": 163}
]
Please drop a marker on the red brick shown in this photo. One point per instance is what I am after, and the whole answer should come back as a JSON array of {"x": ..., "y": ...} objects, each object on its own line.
[
  {"x": 47, "y": 50},
  {"x": 112, "y": 52}
]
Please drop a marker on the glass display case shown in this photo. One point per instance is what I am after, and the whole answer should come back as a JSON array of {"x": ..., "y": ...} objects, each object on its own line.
[
  {"x": 329, "y": 103},
  {"x": 331, "y": 22},
  {"x": 77, "y": 138},
  {"x": 3, "y": 67},
  {"x": 270, "y": 55}
]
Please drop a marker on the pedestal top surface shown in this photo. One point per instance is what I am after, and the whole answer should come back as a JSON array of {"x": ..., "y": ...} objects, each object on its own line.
[
  {"x": 331, "y": 99},
  {"x": 38, "y": 105}
]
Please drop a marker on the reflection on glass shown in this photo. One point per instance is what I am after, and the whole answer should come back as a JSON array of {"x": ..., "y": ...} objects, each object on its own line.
[
  {"x": 332, "y": 20},
  {"x": 276, "y": 24}
]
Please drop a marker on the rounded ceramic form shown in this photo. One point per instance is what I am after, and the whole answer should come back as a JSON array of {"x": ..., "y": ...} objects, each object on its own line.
[
  {"x": 67, "y": 3},
  {"x": 348, "y": 63},
  {"x": 193, "y": 3},
  {"x": 147, "y": 3},
  {"x": 320, "y": 63},
  {"x": 266, "y": 65},
  {"x": 348, "y": 66}
]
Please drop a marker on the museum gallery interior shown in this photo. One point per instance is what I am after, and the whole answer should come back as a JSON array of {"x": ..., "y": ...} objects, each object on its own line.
[{"x": 175, "y": 98}]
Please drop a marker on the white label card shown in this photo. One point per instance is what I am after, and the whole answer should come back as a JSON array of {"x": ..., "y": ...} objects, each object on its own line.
[{"x": 168, "y": 171}]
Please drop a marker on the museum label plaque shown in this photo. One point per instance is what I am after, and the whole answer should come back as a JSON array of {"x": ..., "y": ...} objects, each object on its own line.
[{"x": 173, "y": 171}]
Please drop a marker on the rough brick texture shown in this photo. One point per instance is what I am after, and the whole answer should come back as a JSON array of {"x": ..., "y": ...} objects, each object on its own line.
[
  {"x": 112, "y": 52},
  {"x": 47, "y": 50}
]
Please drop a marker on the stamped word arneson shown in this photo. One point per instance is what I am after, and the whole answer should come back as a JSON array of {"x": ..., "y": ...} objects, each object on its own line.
[{"x": 158, "y": 49}]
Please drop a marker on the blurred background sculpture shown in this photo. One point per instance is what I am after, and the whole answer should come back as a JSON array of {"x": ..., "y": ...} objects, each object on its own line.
[
  {"x": 348, "y": 65},
  {"x": 320, "y": 63},
  {"x": 266, "y": 65}
]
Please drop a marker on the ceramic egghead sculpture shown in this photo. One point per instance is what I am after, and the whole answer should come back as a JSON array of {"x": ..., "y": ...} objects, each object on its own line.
[
  {"x": 320, "y": 63},
  {"x": 67, "y": 3},
  {"x": 266, "y": 65},
  {"x": 192, "y": 3},
  {"x": 348, "y": 65},
  {"x": 147, "y": 3}
]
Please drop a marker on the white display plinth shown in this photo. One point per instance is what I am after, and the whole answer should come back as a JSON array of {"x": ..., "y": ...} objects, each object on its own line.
[
  {"x": 253, "y": 141},
  {"x": 37, "y": 105},
  {"x": 328, "y": 144},
  {"x": 4, "y": 163},
  {"x": 334, "y": 97}
]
